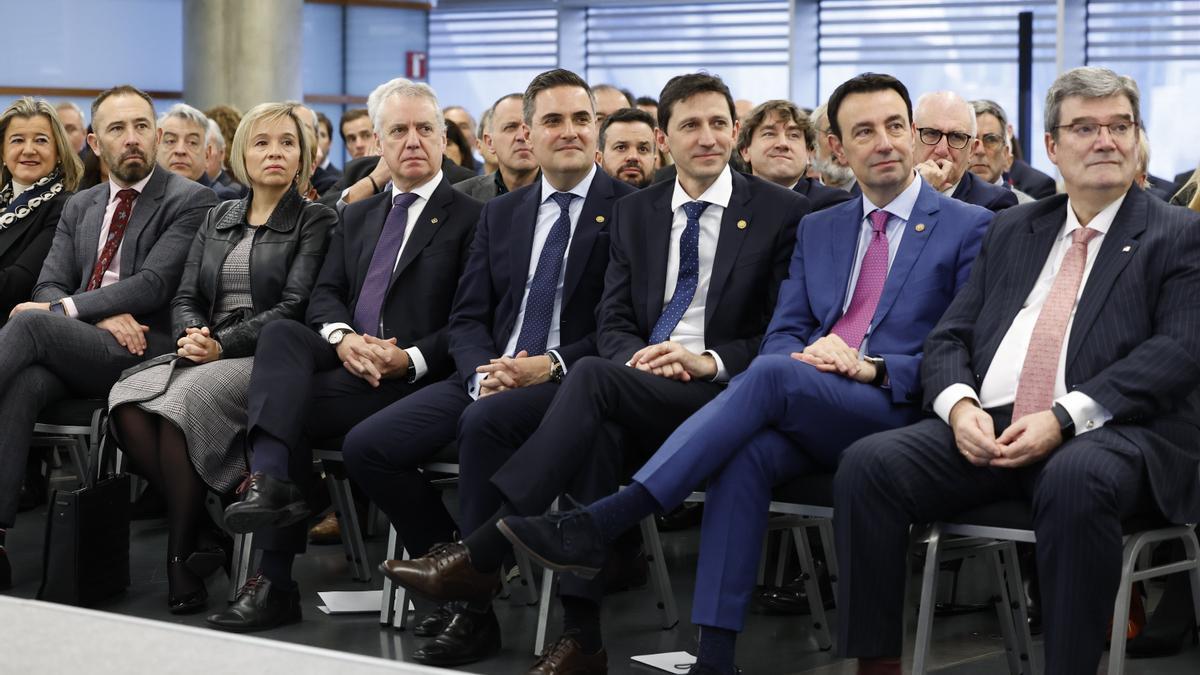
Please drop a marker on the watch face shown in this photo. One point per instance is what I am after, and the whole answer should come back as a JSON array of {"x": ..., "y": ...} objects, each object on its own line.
[{"x": 335, "y": 338}]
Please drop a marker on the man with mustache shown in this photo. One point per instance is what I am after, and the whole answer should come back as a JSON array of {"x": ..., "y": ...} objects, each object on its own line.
[
  {"x": 507, "y": 137},
  {"x": 627, "y": 149},
  {"x": 102, "y": 302},
  {"x": 775, "y": 141}
]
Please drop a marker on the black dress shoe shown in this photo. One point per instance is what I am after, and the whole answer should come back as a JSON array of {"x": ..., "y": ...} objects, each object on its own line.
[
  {"x": 705, "y": 669},
  {"x": 443, "y": 575},
  {"x": 566, "y": 657},
  {"x": 188, "y": 603},
  {"x": 259, "y": 606},
  {"x": 5, "y": 570},
  {"x": 468, "y": 637},
  {"x": 567, "y": 541},
  {"x": 268, "y": 502},
  {"x": 434, "y": 622}
]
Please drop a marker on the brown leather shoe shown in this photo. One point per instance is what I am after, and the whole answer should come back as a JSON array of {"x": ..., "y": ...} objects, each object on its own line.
[
  {"x": 566, "y": 657},
  {"x": 326, "y": 532},
  {"x": 444, "y": 574}
]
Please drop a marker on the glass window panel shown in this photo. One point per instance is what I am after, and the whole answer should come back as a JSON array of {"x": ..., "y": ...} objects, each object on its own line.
[
  {"x": 322, "y": 49},
  {"x": 379, "y": 40}
]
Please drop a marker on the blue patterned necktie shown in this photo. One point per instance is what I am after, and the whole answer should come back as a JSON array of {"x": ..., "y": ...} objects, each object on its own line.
[
  {"x": 689, "y": 274},
  {"x": 539, "y": 300},
  {"x": 383, "y": 261}
]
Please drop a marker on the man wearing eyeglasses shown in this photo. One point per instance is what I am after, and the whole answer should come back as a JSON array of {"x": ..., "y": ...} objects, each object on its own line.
[
  {"x": 1065, "y": 374},
  {"x": 992, "y": 155},
  {"x": 947, "y": 137}
]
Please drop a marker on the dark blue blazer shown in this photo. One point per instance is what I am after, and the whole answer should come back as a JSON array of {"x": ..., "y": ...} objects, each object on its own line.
[
  {"x": 930, "y": 267},
  {"x": 1134, "y": 346},
  {"x": 493, "y": 285},
  {"x": 757, "y": 233},
  {"x": 974, "y": 190},
  {"x": 820, "y": 196},
  {"x": 1031, "y": 181}
]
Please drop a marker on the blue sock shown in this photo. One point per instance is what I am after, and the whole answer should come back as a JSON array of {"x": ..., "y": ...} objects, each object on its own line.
[
  {"x": 618, "y": 512},
  {"x": 717, "y": 648},
  {"x": 277, "y": 568},
  {"x": 269, "y": 455}
]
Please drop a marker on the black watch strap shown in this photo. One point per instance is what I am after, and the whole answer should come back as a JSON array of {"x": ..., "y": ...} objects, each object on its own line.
[
  {"x": 1066, "y": 423},
  {"x": 880, "y": 371},
  {"x": 410, "y": 373}
]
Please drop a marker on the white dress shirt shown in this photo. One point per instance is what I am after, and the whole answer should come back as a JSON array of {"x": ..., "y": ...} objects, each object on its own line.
[
  {"x": 423, "y": 191},
  {"x": 1000, "y": 382},
  {"x": 113, "y": 274},
  {"x": 547, "y": 215}
]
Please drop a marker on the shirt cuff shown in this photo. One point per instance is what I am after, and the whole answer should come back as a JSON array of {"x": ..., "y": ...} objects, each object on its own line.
[
  {"x": 418, "y": 361},
  {"x": 69, "y": 307},
  {"x": 328, "y": 328},
  {"x": 1087, "y": 414},
  {"x": 560, "y": 359},
  {"x": 722, "y": 374},
  {"x": 473, "y": 386},
  {"x": 944, "y": 403}
]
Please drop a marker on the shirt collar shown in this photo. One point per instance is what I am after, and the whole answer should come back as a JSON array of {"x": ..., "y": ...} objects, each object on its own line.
[
  {"x": 140, "y": 186},
  {"x": 1101, "y": 223},
  {"x": 904, "y": 203},
  {"x": 424, "y": 190},
  {"x": 18, "y": 188},
  {"x": 717, "y": 194},
  {"x": 580, "y": 190}
]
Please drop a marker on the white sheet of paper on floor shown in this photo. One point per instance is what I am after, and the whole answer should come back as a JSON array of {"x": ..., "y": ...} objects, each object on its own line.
[
  {"x": 669, "y": 662},
  {"x": 349, "y": 602}
]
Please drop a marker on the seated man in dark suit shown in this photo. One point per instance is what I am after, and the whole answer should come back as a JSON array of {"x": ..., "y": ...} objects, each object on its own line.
[
  {"x": 215, "y": 177},
  {"x": 948, "y": 133},
  {"x": 508, "y": 138},
  {"x": 696, "y": 267},
  {"x": 523, "y": 316},
  {"x": 1028, "y": 179},
  {"x": 376, "y": 333},
  {"x": 1064, "y": 373},
  {"x": 775, "y": 142},
  {"x": 627, "y": 147},
  {"x": 864, "y": 280},
  {"x": 101, "y": 303}
]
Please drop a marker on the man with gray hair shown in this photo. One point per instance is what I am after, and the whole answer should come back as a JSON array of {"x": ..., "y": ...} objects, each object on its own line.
[
  {"x": 947, "y": 135},
  {"x": 73, "y": 123},
  {"x": 182, "y": 149},
  {"x": 1065, "y": 375},
  {"x": 830, "y": 169},
  {"x": 992, "y": 153},
  {"x": 215, "y": 177}
]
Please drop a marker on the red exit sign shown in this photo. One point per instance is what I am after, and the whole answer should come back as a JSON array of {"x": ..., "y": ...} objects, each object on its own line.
[{"x": 416, "y": 65}]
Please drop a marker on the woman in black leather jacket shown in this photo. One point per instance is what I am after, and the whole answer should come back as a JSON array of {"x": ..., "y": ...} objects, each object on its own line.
[{"x": 182, "y": 416}]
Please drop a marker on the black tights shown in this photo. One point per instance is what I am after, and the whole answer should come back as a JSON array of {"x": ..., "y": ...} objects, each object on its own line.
[{"x": 159, "y": 452}]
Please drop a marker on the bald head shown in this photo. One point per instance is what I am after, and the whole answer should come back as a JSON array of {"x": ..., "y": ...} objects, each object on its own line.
[{"x": 946, "y": 119}]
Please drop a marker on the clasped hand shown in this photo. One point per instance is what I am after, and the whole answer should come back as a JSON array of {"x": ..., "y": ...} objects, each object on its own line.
[
  {"x": 197, "y": 345},
  {"x": 512, "y": 372},
  {"x": 1024, "y": 442},
  {"x": 374, "y": 360},
  {"x": 831, "y": 354},
  {"x": 674, "y": 362}
]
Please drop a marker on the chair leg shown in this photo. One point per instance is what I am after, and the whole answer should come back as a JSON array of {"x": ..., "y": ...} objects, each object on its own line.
[
  {"x": 387, "y": 599},
  {"x": 1003, "y": 612},
  {"x": 782, "y": 556},
  {"x": 1019, "y": 608},
  {"x": 925, "y": 611},
  {"x": 539, "y": 640},
  {"x": 79, "y": 452},
  {"x": 825, "y": 526},
  {"x": 812, "y": 588},
  {"x": 527, "y": 587},
  {"x": 352, "y": 533},
  {"x": 658, "y": 573},
  {"x": 1192, "y": 550},
  {"x": 1116, "y": 650},
  {"x": 243, "y": 558}
]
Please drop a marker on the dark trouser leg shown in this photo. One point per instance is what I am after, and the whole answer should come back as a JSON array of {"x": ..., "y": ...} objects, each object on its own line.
[
  {"x": 383, "y": 454},
  {"x": 19, "y": 407},
  {"x": 1081, "y": 493}
]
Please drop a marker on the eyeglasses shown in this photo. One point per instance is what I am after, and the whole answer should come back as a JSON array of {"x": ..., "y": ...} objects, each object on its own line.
[
  {"x": 1088, "y": 131},
  {"x": 955, "y": 139},
  {"x": 992, "y": 141}
]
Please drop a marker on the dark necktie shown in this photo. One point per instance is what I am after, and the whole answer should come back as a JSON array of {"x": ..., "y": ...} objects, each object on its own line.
[
  {"x": 539, "y": 298},
  {"x": 689, "y": 274},
  {"x": 383, "y": 261},
  {"x": 116, "y": 232},
  {"x": 853, "y": 325}
]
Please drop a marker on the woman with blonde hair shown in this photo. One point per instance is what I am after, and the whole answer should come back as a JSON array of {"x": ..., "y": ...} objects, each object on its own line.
[
  {"x": 182, "y": 417},
  {"x": 40, "y": 171},
  {"x": 1189, "y": 194}
]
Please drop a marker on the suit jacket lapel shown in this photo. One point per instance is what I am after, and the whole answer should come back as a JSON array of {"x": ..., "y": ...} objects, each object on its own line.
[
  {"x": 88, "y": 236},
  {"x": 843, "y": 246},
  {"x": 432, "y": 216},
  {"x": 143, "y": 210},
  {"x": 590, "y": 223},
  {"x": 521, "y": 243},
  {"x": 370, "y": 230},
  {"x": 729, "y": 242},
  {"x": 911, "y": 244},
  {"x": 657, "y": 246}
]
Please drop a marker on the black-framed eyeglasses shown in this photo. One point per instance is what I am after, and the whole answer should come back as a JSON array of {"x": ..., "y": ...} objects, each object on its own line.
[
  {"x": 1087, "y": 131},
  {"x": 955, "y": 139},
  {"x": 992, "y": 141}
]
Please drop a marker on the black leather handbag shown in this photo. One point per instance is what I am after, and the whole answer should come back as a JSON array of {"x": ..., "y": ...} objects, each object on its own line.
[{"x": 86, "y": 553}]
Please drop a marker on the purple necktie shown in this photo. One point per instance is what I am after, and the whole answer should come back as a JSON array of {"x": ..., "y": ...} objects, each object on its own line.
[
  {"x": 383, "y": 262},
  {"x": 853, "y": 325}
]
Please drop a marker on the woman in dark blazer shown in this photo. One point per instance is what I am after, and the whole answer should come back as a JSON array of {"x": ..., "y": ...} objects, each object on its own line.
[
  {"x": 182, "y": 417},
  {"x": 39, "y": 173}
]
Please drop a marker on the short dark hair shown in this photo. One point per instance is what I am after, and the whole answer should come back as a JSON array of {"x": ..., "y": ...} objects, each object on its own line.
[
  {"x": 864, "y": 84},
  {"x": 324, "y": 121},
  {"x": 612, "y": 87},
  {"x": 624, "y": 115},
  {"x": 785, "y": 109},
  {"x": 683, "y": 87},
  {"x": 349, "y": 116},
  {"x": 646, "y": 100},
  {"x": 456, "y": 136},
  {"x": 121, "y": 90},
  {"x": 559, "y": 77}
]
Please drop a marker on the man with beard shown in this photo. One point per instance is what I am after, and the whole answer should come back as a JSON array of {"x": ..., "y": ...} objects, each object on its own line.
[
  {"x": 831, "y": 169},
  {"x": 101, "y": 303},
  {"x": 627, "y": 149},
  {"x": 775, "y": 141},
  {"x": 507, "y": 136}
]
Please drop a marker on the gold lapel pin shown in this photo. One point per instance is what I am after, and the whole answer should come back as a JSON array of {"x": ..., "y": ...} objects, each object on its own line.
[
  {"x": 742, "y": 224},
  {"x": 1127, "y": 249},
  {"x": 599, "y": 219},
  {"x": 920, "y": 227},
  {"x": 433, "y": 220}
]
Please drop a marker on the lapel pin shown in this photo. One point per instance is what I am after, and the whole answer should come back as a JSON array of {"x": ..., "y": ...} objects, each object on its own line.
[
  {"x": 742, "y": 224},
  {"x": 599, "y": 219},
  {"x": 433, "y": 220},
  {"x": 1126, "y": 249},
  {"x": 920, "y": 227}
]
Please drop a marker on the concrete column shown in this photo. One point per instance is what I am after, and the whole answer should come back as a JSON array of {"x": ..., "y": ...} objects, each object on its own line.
[{"x": 242, "y": 53}]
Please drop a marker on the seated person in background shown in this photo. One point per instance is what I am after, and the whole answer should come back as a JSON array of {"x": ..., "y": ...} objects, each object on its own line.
[
  {"x": 507, "y": 136},
  {"x": 182, "y": 148},
  {"x": 215, "y": 176},
  {"x": 325, "y": 143},
  {"x": 775, "y": 141},
  {"x": 905, "y": 251},
  {"x": 357, "y": 134},
  {"x": 101, "y": 302},
  {"x": 457, "y": 116},
  {"x": 1189, "y": 195},
  {"x": 73, "y": 124},
  {"x": 374, "y": 333},
  {"x": 458, "y": 149},
  {"x": 948, "y": 133},
  {"x": 181, "y": 416},
  {"x": 485, "y": 152},
  {"x": 40, "y": 171},
  {"x": 1026, "y": 178},
  {"x": 992, "y": 154},
  {"x": 830, "y": 169},
  {"x": 628, "y": 148},
  {"x": 609, "y": 99},
  {"x": 1142, "y": 178},
  {"x": 1065, "y": 373}
]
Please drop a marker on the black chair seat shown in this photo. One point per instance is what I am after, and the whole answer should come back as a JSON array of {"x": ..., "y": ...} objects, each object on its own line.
[
  {"x": 75, "y": 412},
  {"x": 814, "y": 489},
  {"x": 446, "y": 455},
  {"x": 1017, "y": 514}
]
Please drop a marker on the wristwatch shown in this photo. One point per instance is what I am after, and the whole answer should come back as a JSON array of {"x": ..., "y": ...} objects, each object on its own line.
[
  {"x": 336, "y": 337},
  {"x": 1066, "y": 423},
  {"x": 410, "y": 373},
  {"x": 880, "y": 370},
  {"x": 556, "y": 368},
  {"x": 56, "y": 307}
]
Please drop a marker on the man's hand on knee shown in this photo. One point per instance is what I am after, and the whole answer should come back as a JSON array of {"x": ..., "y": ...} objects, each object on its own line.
[
  {"x": 127, "y": 332},
  {"x": 674, "y": 362},
  {"x": 513, "y": 372},
  {"x": 27, "y": 306},
  {"x": 974, "y": 433},
  {"x": 1028, "y": 440}
]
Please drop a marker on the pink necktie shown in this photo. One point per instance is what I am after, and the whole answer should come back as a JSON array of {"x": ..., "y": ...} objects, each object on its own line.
[
  {"x": 1035, "y": 388},
  {"x": 852, "y": 327}
]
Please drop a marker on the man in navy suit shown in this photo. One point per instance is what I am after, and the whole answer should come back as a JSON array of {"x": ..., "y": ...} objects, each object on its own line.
[
  {"x": 695, "y": 270},
  {"x": 948, "y": 135},
  {"x": 868, "y": 281},
  {"x": 1064, "y": 373},
  {"x": 776, "y": 141}
]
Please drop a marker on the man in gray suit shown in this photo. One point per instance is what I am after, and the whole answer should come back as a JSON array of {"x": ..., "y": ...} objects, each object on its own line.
[
  {"x": 102, "y": 302},
  {"x": 508, "y": 137}
]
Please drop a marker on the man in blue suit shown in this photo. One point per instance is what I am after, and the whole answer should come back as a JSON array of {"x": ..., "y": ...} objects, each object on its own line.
[
  {"x": 948, "y": 134},
  {"x": 868, "y": 280}
]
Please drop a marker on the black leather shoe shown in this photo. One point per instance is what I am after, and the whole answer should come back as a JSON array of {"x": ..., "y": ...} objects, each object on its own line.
[
  {"x": 5, "y": 570},
  {"x": 259, "y": 606},
  {"x": 467, "y": 638},
  {"x": 566, "y": 541},
  {"x": 267, "y": 502},
  {"x": 188, "y": 603},
  {"x": 434, "y": 622},
  {"x": 566, "y": 657},
  {"x": 443, "y": 575}
]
